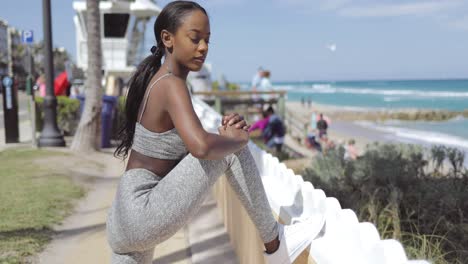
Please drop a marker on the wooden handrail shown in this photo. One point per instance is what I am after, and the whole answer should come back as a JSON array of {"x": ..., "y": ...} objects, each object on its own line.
[
  {"x": 239, "y": 93},
  {"x": 232, "y": 98}
]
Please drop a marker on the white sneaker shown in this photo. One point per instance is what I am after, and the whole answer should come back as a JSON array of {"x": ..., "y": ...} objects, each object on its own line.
[{"x": 294, "y": 239}]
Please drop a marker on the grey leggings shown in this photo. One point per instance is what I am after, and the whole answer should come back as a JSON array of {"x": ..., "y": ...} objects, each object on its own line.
[{"x": 149, "y": 209}]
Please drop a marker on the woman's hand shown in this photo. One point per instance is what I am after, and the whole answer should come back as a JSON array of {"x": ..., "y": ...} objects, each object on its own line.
[
  {"x": 234, "y": 133},
  {"x": 236, "y": 120}
]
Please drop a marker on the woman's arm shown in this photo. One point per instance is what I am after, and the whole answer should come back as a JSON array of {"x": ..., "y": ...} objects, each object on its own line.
[{"x": 200, "y": 143}]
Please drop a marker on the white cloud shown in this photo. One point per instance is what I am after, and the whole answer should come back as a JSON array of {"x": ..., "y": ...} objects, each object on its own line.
[
  {"x": 331, "y": 47},
  {"x": 310, "y": 5},
  {"x": 392, "y": 10},
  {"x": 332, "y": 4}
]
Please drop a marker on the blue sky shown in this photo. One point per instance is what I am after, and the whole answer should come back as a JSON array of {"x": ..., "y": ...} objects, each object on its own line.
[{"x": 309, "y": 39}]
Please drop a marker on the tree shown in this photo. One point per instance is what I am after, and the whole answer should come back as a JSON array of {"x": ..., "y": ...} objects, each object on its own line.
[
  {"x": 87, "y": 137},
  {"x": 61, "y": 58}
]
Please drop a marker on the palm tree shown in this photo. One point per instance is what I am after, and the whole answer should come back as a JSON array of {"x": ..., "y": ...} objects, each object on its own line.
[{"x": 87, "y": 137}]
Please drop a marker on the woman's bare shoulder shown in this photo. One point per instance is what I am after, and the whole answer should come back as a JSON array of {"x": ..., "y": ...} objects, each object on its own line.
[{"x": 173, "y": 86}]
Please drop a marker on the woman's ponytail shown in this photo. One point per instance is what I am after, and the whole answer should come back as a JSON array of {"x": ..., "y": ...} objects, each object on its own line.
[{"x": 136, "y": 91}]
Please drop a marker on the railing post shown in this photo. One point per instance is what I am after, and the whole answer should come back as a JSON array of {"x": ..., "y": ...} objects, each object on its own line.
[
  {"x": 217, "y": 105},
  {"x": 281, "y": 106}
]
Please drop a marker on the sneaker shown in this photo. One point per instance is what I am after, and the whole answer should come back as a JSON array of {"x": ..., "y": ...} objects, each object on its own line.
[{"x": 294, "y": 239}]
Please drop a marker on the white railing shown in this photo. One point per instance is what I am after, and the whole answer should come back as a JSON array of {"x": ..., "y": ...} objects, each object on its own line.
[{"x": 346, "y": 240}]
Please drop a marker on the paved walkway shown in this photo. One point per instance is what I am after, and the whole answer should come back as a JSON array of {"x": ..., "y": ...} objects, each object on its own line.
[{"x": 25, "y": 135}]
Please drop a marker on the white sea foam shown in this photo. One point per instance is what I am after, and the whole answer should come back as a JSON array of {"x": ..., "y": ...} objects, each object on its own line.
[
  {"x": 391, "y": 99},
  {"x": 419, "y": 136},
  {"x": 284, "y": 87},
  {"x": 327, "y": 88}
]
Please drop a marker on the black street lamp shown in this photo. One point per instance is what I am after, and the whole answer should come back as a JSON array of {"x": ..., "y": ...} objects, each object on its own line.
[{"x": 50, "y": 135}]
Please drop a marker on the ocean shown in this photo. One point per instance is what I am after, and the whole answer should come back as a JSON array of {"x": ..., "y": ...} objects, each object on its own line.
[
  {"x": 422, "y": 94},
  {"x": 395, "y": 94}
]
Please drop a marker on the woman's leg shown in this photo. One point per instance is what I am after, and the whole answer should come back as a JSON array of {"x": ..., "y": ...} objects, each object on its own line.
[
  {"x": 136, "y": 257},
  {"x": 184, "y": 189},
  {"x": 148, "y": 212},
  {"x": 243, "y": 176}
]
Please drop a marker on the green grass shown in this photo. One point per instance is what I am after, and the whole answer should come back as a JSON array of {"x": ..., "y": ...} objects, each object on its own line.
[{"x": 32, "y": 199}]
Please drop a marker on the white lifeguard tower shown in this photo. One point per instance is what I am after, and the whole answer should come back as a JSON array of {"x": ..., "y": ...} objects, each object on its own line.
[{"x": 123, "y": 25}]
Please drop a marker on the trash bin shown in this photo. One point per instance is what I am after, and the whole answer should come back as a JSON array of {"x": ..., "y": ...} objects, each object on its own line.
[
  {"x": 107, "y": 114},
  {"x": 82, "y": 100}
]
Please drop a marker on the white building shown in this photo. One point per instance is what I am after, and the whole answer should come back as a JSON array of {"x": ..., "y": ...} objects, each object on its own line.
[
  {"x": 123, "y": 25},
  {"x": 3, "y": 47}
]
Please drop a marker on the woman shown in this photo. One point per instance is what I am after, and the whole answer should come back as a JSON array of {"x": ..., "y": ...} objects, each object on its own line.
[{"x": 173, "y": 161}]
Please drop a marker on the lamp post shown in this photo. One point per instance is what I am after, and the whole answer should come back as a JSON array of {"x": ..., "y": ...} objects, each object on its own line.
[{"x": 50, "y": 135}]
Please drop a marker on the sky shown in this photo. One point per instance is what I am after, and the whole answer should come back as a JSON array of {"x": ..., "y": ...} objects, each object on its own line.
[{"x": 307, "y": 40}]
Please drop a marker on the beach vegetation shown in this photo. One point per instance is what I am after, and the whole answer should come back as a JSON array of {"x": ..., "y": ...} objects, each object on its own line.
[
  {"x": 402, "y": 114},
  {"x": 406, "y": 193}
]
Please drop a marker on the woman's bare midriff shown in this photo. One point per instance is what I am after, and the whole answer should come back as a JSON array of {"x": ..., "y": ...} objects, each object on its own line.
[{"x": 159, "y": 167}]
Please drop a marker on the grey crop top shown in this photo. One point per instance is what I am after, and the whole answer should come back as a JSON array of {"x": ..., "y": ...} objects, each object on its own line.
[{"x": 165, "y": 145}]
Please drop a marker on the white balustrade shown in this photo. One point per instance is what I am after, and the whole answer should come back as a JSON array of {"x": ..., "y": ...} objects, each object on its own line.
[{"x": 345, "y": 240}]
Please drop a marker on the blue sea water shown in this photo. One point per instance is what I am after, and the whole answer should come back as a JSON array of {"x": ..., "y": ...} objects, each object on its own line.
[
  {"x": 423, "y": 94},
  {"x": 396, "y": 94}
]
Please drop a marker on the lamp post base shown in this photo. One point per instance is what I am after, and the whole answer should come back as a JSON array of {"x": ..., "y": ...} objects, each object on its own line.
[
  {"x": 50, "y": 135},
  {"x": 51, "y": 141}
]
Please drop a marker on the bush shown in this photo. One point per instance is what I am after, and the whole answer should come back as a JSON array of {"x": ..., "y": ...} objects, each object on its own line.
[
  {"x": 67, "y": 114},
  {"x": 394, "y": 187}
]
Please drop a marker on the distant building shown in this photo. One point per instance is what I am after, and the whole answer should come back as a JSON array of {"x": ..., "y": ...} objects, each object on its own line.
[
  {"x": 12, "y": 53},
  {"x": 4, "y": 54}
]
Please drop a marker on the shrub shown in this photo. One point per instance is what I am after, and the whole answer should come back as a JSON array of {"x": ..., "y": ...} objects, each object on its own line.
[
  {"x": 67, "y": 114},
  {"x": 393, "y": 187}
]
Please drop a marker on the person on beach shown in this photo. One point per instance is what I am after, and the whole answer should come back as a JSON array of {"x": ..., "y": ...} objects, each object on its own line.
[
  {"x": 274, "y": 131},
  {"x": 265, "y": 84},
  {"x": 256, "y": 82},
  {"x": 322, "y": 126},
  {"x": 173, "y": 162},
  {"x": 312, "y": 143},
  {"x": 311, "y": 140},
  {"x": 351, "y": 152},
  {"x": 260, "y": 124}
]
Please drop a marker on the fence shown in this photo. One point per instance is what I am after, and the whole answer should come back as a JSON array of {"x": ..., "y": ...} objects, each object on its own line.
[
  {"x": 257, "y": 99},
  {"x": 346, "y": 240}
]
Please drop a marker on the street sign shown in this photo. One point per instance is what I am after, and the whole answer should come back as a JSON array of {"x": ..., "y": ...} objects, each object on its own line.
[
  {"x": 7, "y": 82},
  {"x": 10, "y": 110},
  {"x": 27, "y": 36}
]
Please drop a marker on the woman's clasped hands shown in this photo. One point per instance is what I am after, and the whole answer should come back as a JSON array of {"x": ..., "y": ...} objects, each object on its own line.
[{"x": 234, "y": 126}]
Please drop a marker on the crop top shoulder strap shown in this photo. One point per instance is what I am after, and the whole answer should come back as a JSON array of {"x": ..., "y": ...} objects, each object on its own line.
[{"x": 145, "y": 98}]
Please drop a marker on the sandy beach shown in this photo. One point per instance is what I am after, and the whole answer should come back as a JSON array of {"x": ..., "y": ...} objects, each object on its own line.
[
  {"x": 341, "y": 129},
  {"x": 344, "y": 126}
]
